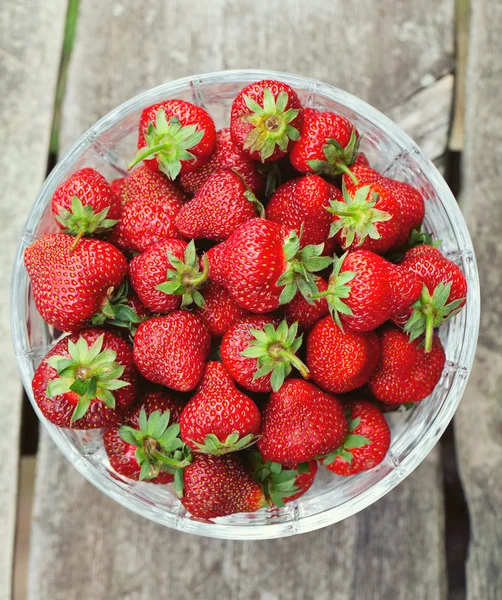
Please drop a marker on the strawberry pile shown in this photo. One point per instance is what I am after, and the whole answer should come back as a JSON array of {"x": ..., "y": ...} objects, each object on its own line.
[{"x": 243, "y": 306}]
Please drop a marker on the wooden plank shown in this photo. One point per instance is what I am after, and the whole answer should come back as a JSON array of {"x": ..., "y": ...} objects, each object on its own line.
[
  {"x": 479, "y": 419},
  {"x": 30, "y": 42},
  {"x": 391, "y": 542}
]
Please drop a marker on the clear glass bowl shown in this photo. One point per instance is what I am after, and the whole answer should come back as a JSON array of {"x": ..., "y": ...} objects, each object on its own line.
[{"x": 108, "y": 146}]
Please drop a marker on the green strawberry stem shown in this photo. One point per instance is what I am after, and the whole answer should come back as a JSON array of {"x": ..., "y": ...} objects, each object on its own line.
[
  {"x": 302, "y": 263},
  {"x": 90, "y": 372},
  {"x": 185, "y": 278},
  {"x": 275, "y": 350},
  {"x": 271, "y": 124},
  {"x": 116, "y": 311},
  {"x": 343, "y": 167},
  {"x": 170, "y": 143},
  {"x": 78, "y": 237},
  {"x": 430, "y": 311},
  {"x": 166, "y": 460}
]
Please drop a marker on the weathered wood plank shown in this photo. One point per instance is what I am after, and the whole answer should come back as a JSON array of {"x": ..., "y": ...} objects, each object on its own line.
[
  {"x": 30, "y": 43},
  {"x": 390, "y": 543},
  {"x": 480, "y": 415}
]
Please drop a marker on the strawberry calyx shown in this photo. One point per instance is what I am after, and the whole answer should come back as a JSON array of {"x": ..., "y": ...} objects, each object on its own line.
[
  {"x": 271, "y": 124},
  {"x": 302, "y": 263},
  {"x": 116, "y": 310},
  {"x": 275, "y": 350},
  {"x": 338, "y": 158},
  {"x": 338, "y": 289},
  {"x": 158, "y": 444},
  {"x": 357, "y": 216},
  {"x": 90, "y": 373},
  {"x": 352, "y": 441},
  {"x": 430, "y": 312},
  {"x": 185, "y": 278},
  {"x": 83, "y": 220},
  {"x": 169, "y": 142},
  {"x": 233, "y": 443},
  {"x": 276, "y": 481}
]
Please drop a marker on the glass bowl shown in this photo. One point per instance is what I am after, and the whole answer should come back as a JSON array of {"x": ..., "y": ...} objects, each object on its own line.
[{"x": 108, "y": 147}]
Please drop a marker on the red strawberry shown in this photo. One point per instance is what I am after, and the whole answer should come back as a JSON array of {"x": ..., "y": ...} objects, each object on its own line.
[
  {"x": 219, "y": 418},
  {"x": 262, "y": 266},
  {"x": 151, "y": 203},
  {"x": 172, "y": 350},
  {"x": 175, "y": 137},
  {"x": 225, "y": 156},
  {"x": 281, "y": 485},
  {"x": 222, "y": 203},
  {"x": 409, "y": 199},
  {"x": 367, "y": 217},
  {"x": 328, "y": 144},
  {"x": 167, "y": 275},
  {"x": 305, "y": 314},
  {"x": 367, "y": 442},
  {"x": 266, "y": 117},
  {"x": 299, "y": 423},
  {"x": 219, "y": 311},
  {"x": 71, "y": 284},
  {"x": 215, "y": 486},
  {"x": 406, "y": 372},
  {"x": 361, "y": 160},
  {"x": 146, "y": 446},
  {"x": 87, "y": 381},
  {"x": 259, "y": 354},
  {"x": 341, "y": 361},
  {"x": 443, "y": 294},
  {"x": 85, "y": 204},
  {"x": 365, "y": 290},
  {"x": 304, "y": 202}
]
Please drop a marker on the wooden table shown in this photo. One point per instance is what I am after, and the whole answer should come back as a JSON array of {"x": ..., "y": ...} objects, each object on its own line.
[{"x": 424, "y": 63}]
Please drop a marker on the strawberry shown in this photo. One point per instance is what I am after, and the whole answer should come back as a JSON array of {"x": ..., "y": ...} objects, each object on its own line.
[
  {"x": 146, "y": 445},
  {"x": 410, "y": 201},
  {"x": 304, "y": 202},
  {"x": 259, "y": 354},
  {"x": 367, "y": 217},
  {"x": 266, "y": 117},
  {"x": 219, "y": 311},
  {"x": 219, "y": 418},
  {"x": 175, "y": 137},
  {"x": 281, "y": 485},
  {"x": 71, "y": 284},
  {"x": 172, "y": 350},
  {"x": 365, "y": 290},
  {"x": 87, "y": 381},
  {"x": 225, "y": 156},
  {"x": 341, "y": 361},
  {"x": 85, "y": 204},
  {"x": 262, "y": 265},
  {"x": 167, "y": 275},
  {"x": 299, "y": 423},
  {"x": 443, "y": 294},
  {"x": 222, "y": 203},
  {"x": 328, "y": 144},
  {"x": 361, "y": 160},
  {"x": 216, "y": 486},
  {"x": 122, "y": 309},
  {"x": 367, "y": 442},
  {"x": 406, "y": 372},
  {"x": 305, "y": 314},
  {"x": 151, "y": 203}
]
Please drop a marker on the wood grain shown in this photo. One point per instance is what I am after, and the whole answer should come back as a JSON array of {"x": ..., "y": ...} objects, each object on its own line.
[
  {"x": 83, "y": 543},
  {"x": 479, "y": 419},
  {"x": 30, "y": 43}
]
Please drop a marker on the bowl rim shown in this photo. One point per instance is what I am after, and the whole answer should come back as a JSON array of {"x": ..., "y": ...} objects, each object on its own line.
[{"x": 416, "y": 455}]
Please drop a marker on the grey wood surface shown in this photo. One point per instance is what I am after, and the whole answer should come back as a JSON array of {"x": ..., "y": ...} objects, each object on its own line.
[
  {"x": 86, "y": 546},
  {"x": 30, "y": 45},
  {"x": 479, "y": 419}
]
